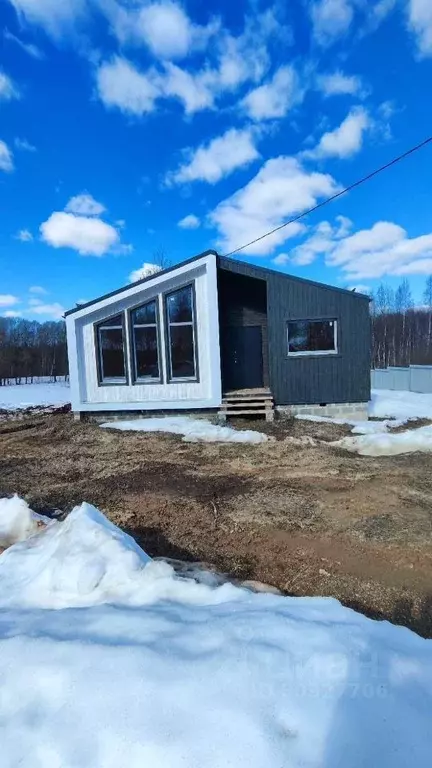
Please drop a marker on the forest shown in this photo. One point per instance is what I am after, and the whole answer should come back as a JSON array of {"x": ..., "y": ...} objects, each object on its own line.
[
  {"x": 401, "y": 336},
  {"x": 29, "y": 349},
  {"x": 401, "y": 331}
]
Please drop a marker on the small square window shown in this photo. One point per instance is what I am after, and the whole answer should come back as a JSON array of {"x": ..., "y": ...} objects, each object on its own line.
[{"x": 312, "y": 337}]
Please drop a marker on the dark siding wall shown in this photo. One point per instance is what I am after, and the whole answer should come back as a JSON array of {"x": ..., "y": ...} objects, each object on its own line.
[
  {"x": 340, "y": 378},
  {"x": 243, "y": 302}
]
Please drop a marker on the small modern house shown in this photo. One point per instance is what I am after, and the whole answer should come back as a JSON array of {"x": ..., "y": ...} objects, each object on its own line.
[{"x": 214, "y": 333}]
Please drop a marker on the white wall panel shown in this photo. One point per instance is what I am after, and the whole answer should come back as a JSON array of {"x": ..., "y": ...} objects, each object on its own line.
[{"x": 88, "y": 394}]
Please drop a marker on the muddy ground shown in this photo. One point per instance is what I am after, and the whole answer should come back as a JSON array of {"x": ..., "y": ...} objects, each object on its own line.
[{"x": 301, "y": 515}]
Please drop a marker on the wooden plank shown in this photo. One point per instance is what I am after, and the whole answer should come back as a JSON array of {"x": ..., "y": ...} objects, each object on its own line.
[{"x": 246, "y": 413}]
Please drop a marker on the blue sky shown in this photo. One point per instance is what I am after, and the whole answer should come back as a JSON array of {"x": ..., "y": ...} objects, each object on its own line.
[{"x": 129, "y": 126}]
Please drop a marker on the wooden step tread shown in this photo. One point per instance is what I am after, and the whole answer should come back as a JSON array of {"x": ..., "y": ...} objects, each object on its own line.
[
  {"x": 252, "y": 391},
  {"x": 252, "y": 411},
  {"x": 247, "y": 403}
]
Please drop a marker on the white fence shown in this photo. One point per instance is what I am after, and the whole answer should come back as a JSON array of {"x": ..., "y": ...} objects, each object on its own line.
[{"x": 416, "y": 378}]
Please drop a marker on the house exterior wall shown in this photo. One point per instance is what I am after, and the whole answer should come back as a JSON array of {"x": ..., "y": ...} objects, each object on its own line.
[
  {"x": 89, "y": 395},
  {"x": 314, "y": 379}
]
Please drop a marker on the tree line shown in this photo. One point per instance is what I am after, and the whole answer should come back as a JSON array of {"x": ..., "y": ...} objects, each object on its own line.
[
  {"x": 401, "y": 331},
  {"x": 401, "y": 336},
  {"x": 29, "y": 349}
]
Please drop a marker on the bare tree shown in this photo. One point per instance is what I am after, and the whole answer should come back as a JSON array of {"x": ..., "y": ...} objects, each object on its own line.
[{"x": 160, "y": 257}]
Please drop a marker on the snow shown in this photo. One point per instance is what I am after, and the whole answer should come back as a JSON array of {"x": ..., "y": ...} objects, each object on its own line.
[
  {"x": 394, "y": 409},
  {"x": 17, "y": 521},
  {"x": 28, "y": 395},
  {"x": 409, "y": 441},
  {"x": 358, "y": 427},
  {"x": 193, "y": 430},
  {"x": 157, "y": 670},
  {"x": 387, "y": 403}
]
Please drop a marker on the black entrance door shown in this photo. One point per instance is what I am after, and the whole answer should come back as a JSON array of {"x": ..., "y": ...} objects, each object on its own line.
[{"x": 242, "y": 361}]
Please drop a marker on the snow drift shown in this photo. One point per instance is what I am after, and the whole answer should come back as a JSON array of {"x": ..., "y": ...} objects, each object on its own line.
[
  {"x": 410, "y": 441},
  {"x": 156, "y": 670},
  {"x": 193, "y": 430}
]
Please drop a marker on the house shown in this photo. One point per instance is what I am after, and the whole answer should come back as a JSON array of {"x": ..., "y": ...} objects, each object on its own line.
[{"x": 213, "y": 332}]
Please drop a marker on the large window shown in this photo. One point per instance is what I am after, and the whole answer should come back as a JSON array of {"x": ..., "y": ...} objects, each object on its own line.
[
  {"x": 312, "y": 337},
  {"x": 144, "y": 325},
  {"x": 181, "y": 333},
  {"x": 111, "y": 355}
]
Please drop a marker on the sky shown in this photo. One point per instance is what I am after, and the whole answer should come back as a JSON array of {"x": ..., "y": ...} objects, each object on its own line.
[{"x": 134, "y": 128}]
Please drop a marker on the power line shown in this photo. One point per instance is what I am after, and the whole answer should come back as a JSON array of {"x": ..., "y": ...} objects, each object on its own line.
[{"x": 335, "y": 197}]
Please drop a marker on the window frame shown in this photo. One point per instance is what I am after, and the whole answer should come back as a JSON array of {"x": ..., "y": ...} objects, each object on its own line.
[
  {"x": 318, "y": 352},
  {"x": 136, "y": 380},
  {"x": 111, "y": 382},
  {"x": 193, "y": 323}
]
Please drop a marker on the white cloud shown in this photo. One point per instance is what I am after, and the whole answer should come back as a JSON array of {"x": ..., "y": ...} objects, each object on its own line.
[
  {"x": 56, "y": 17},
  {"x": 55, "y": 310},
  {"x": 24, "y": 145},
  {"x": 274, "y": 98},
  {"x": 121, "y": 85},
  {"x": 339, "y": 84},
  {"x": 217, "y": 159},
  {"x": 189, "y": 222},
  {"x": 281, "y": 260},
  {"x": 7, "y": 300},
  {"x": 331, "y": 19},
  {"x": 344, "y": 141},
  {"x": 195, "y": 91},
  {"x": 321, "y": 241},
  {"x": 8, "y": 90},
  {"x": 420, "y": 22},
  {"x": 88, "y": 236},
  {"x": 24, "y": 235},
  {"x": 29, "y": 48},
  {"x": 6, "y": 158},
  {"x": 12, "y": 313},
  {"x": 384, "y": 249},
  {"x": 168, "y": 31},
  {"x": 84, "y": 205},
  {"x": 146, "y": 270},
  {"x": 229, "y": 62},
  {"x": 281, "y": 189},
  {"x": 38, "y": 289}
]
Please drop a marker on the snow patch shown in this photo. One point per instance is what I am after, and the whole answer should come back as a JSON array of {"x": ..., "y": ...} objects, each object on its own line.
[
  {"x": 193, "y": 430},
  {"x": 410, "y": 441},
  {"x": 387, "y": 403},
  {"x": 13, "y": 397},
  {"x": 358, "y": 427}
]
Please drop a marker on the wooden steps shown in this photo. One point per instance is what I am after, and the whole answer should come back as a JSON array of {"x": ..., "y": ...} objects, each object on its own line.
[{"x": 247, "y": 402}]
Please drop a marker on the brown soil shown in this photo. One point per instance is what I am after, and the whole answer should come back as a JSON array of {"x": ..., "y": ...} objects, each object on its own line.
[{"x": 295, "y": 513}]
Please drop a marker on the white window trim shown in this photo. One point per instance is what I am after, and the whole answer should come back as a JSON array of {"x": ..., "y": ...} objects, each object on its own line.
[{"x": 319, "y": 352}]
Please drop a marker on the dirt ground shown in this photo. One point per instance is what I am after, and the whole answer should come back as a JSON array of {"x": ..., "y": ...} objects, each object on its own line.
[{"x": 295, "y": 513}]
